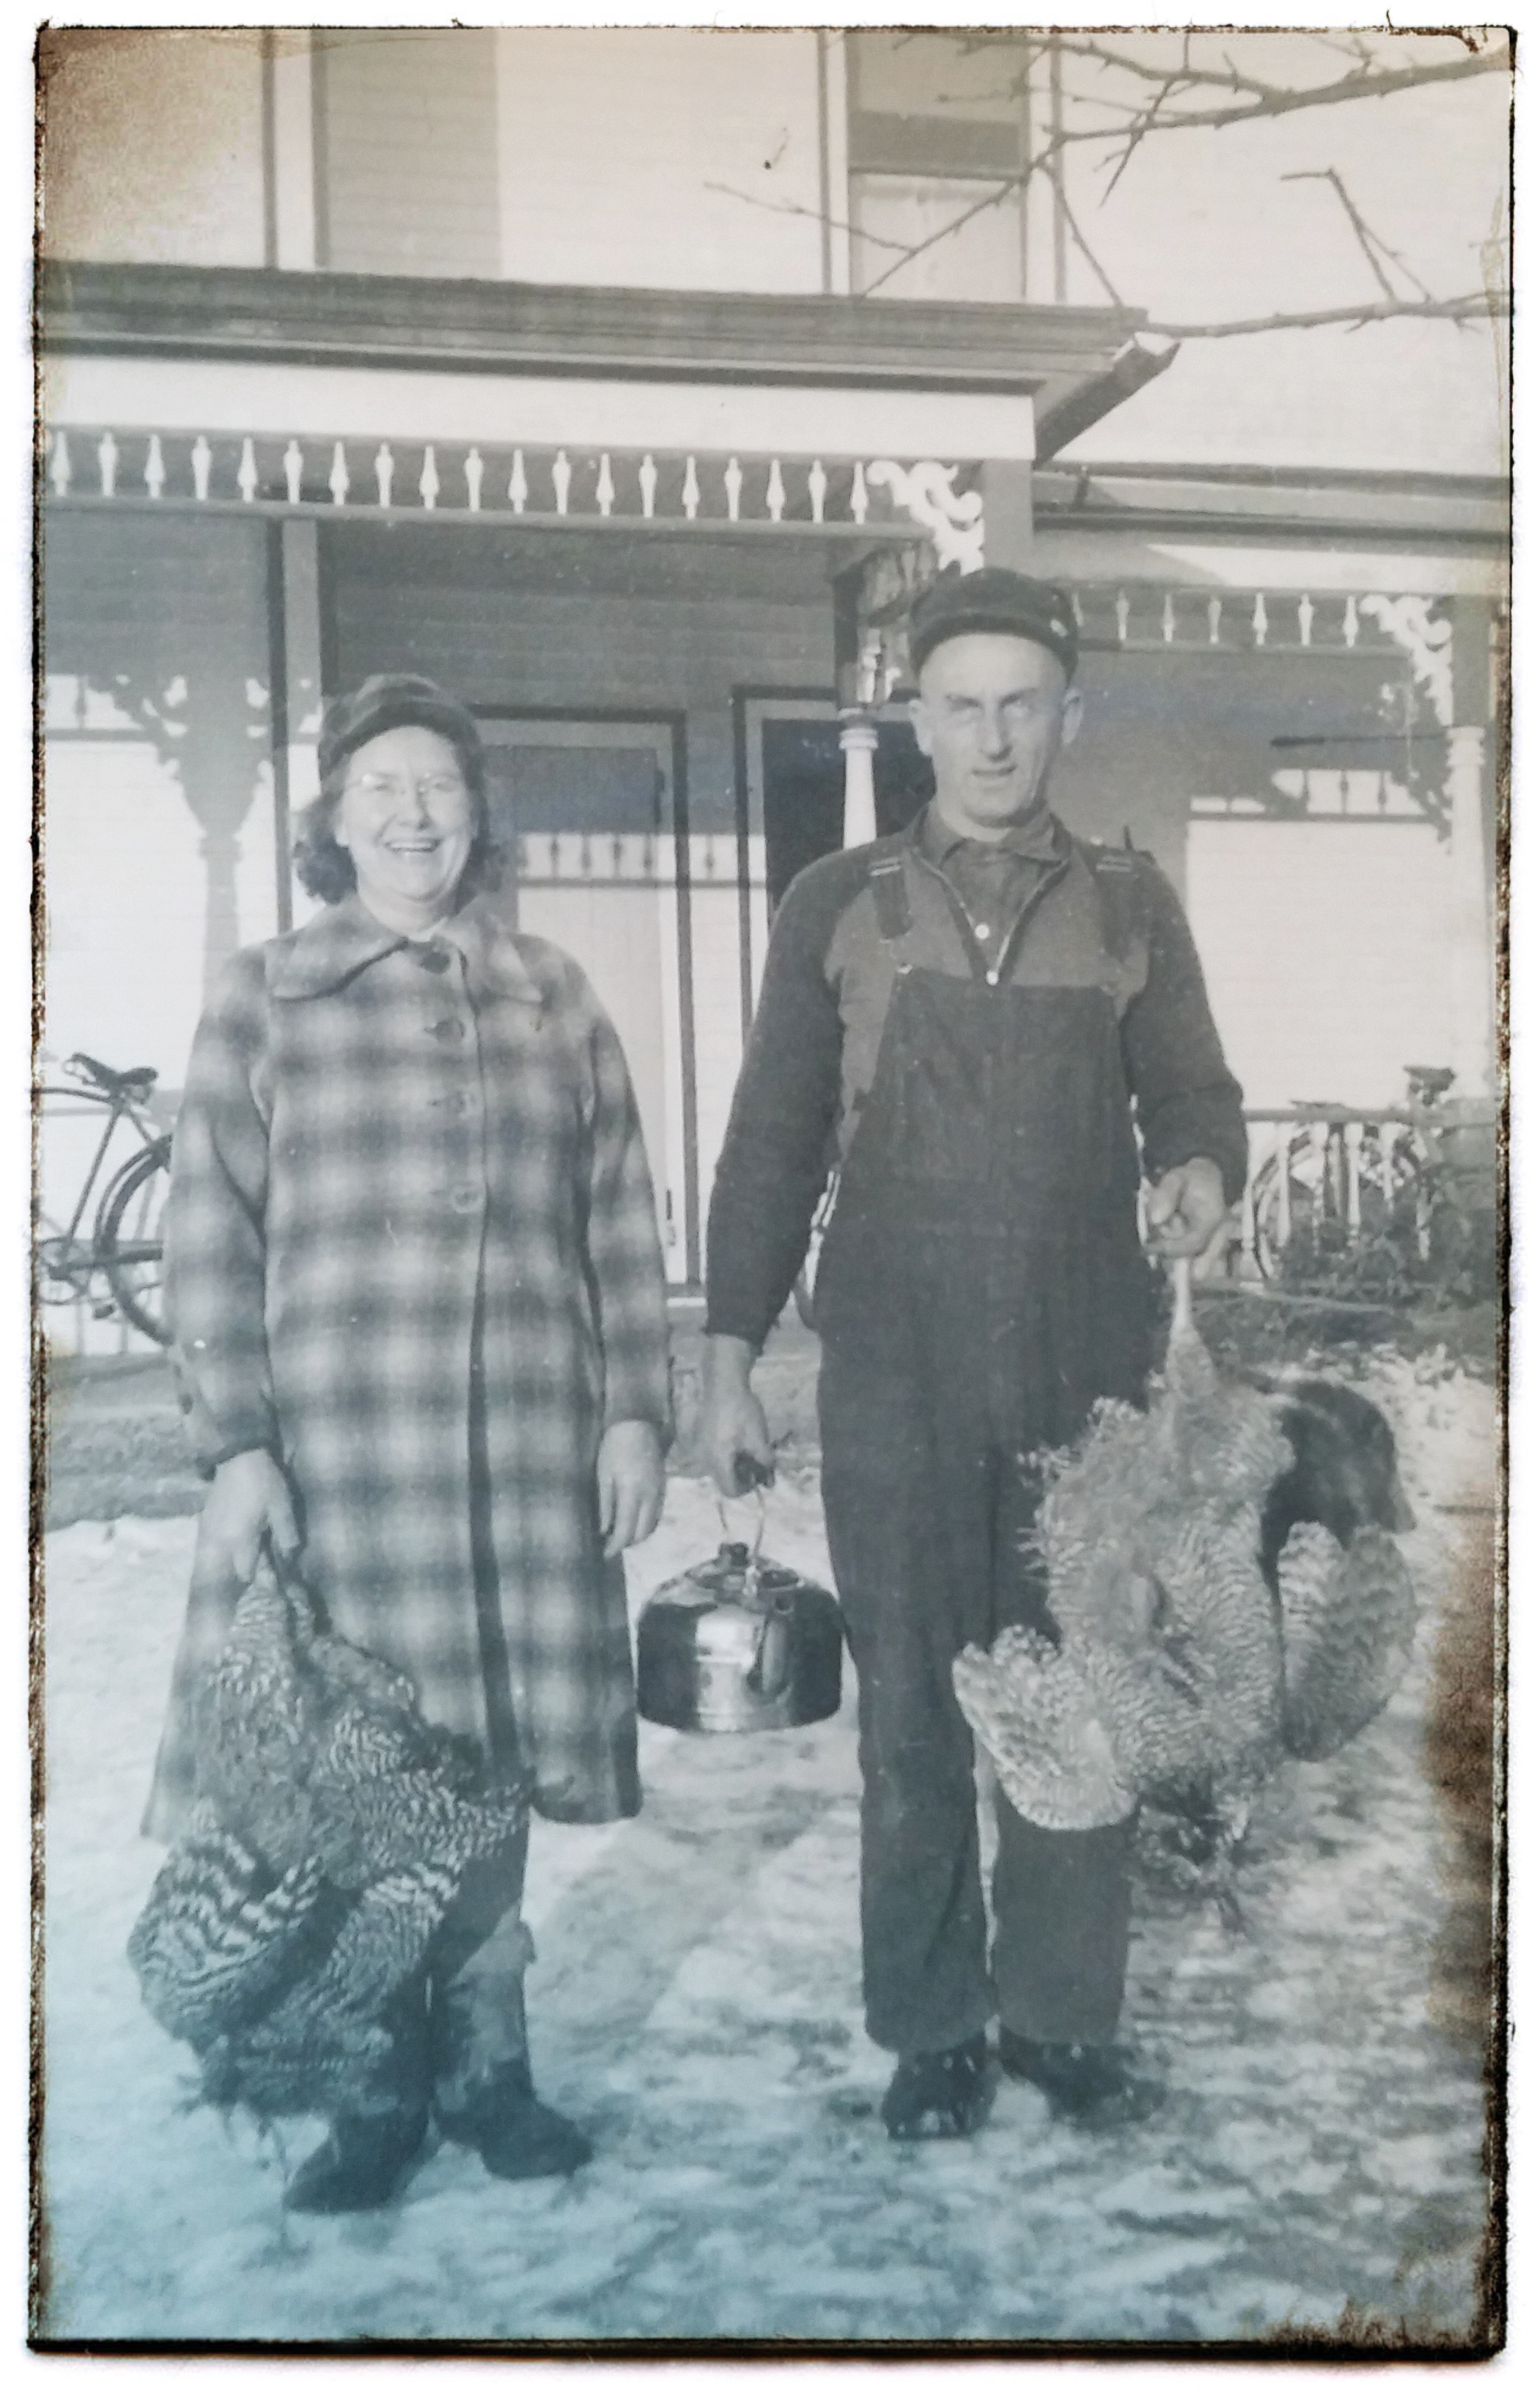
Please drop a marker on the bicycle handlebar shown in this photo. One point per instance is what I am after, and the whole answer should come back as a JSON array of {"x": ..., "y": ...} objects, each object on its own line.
[{"x": 139, "y": 1079}]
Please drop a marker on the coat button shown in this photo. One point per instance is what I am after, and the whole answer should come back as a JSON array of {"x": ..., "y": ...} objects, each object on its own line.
[
  {"x": 449, "y": 1028},
  {"x": 433, "y": 958},
  {"x": 464, "y": 1200},
  {"x": 980, "y": 932},
  {"x": 993, "y": 975}
]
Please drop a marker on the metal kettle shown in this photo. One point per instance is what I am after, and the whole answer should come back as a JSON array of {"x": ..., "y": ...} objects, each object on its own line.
[{"x": 738, "y": 1643}]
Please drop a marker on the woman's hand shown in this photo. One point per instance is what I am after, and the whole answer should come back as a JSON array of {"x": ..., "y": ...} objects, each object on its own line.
[
  {"x": 630, "y": 1484},
  {"x": 250, "y": 1496}
]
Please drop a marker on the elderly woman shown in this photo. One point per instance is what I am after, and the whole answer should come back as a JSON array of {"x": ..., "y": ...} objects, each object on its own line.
[{"x": 419, "y": 1305}]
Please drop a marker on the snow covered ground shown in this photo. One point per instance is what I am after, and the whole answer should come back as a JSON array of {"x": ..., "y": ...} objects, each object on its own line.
[{"x": 695, "y": 2002}]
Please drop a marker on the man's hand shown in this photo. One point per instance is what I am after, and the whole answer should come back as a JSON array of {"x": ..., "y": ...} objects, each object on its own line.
[
  {"x": 249, "y": 1497},
  {"x": 1186, "y": 1210},
  {"x": 733, "y": 1420},
  {"x": 630, "y": 1484}
]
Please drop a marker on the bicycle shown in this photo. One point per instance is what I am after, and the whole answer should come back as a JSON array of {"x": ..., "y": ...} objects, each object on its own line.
[
  {"x": 1346, "y": 1183},
  {"x": 125, "y": 1248}
]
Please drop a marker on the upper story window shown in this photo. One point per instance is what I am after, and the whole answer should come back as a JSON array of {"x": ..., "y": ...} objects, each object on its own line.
[
  {"x": 939, "y": 128},
  {"x": 406, "y": 152}
]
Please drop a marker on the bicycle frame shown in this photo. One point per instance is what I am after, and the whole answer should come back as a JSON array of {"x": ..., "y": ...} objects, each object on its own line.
[{"x": 64, "y": 1256}]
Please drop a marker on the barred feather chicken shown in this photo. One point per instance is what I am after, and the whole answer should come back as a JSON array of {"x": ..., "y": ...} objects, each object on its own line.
[
  {"x": 1225, "y": 1593},
  {"x": 331, "y": 1832}
]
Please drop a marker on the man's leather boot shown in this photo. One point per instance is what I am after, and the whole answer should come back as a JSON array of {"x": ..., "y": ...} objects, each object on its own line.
[{"x": 942, "y": 2095}]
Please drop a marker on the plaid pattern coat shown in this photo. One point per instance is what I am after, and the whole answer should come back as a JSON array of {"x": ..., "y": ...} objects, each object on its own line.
[{"x": 412, "y": 1251}]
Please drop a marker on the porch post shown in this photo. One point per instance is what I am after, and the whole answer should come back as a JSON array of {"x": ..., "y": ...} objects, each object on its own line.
[
  {"x": 294, "y": 601},
  {"x": 858, "y": 741}
]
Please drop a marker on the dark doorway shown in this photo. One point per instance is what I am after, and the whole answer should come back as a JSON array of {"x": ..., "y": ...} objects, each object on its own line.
[{"x": 804, "y": 788}]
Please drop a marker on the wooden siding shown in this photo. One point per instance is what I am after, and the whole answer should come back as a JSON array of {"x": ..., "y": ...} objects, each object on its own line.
[
  {"x": 622, "y": 152},
  {"x": 407, "y": 150},
  {"x": 1328, "y": 955}
]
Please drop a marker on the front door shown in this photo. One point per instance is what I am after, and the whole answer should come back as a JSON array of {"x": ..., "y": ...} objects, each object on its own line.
[{"x": 584, "y": 812}]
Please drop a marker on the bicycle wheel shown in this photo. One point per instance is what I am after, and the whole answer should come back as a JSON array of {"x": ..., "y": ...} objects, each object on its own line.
[{"x": 129, "y": 1245}]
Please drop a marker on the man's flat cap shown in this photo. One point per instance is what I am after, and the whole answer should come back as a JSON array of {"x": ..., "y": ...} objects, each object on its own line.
[
  {"x": 994, "y": 600},
  {"x": 385, "y": 702}
]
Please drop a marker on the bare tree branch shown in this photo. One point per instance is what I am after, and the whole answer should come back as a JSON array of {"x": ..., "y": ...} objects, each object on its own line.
[
  {"x": 1162, "y": 109},
  {"x": 1368, "y": 240},
  {"x": 1470, "y": 306},
  {"x": 1275, "y": 100},
  {"x": 799, "y": 208},
  {"x": 1085, "y": 247}
]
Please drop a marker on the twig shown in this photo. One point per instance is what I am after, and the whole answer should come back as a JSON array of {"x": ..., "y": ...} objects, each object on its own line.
[
  {"x": 1471, "y": 305},
  {"x": 797, "y": 208},
  {"x": 1368, "y": 241},
  {"x": 1279, "y": 99},
  {"x": 1083, "y": 246}
]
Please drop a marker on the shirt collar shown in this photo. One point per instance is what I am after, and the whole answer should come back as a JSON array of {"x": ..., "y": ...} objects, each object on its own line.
[
  {"x": 1042, "y": 839},
  {"x": 341, "y": 940}
]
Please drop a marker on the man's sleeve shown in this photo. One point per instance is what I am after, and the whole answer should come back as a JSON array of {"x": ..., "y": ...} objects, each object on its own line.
[
  {"x": 215, "y": 1241},
  {"x": 1188, "y": 1101},
  {"x": 775, "y": 1156}
]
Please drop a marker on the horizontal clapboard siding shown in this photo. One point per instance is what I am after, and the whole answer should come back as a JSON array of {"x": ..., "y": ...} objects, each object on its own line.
[{"x": 407, "y": 144}]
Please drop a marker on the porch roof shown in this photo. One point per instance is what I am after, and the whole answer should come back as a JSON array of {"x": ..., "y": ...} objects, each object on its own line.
[
  {"x": 256, "y": 315},
  {"x": 1462, "y": 513}
]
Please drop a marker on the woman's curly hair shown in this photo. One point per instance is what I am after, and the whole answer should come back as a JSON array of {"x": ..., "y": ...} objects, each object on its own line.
[{"x": 322, "y": 865}]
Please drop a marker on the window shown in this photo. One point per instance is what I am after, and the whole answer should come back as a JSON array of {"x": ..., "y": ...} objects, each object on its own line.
[{"x": 938, "y": 123}]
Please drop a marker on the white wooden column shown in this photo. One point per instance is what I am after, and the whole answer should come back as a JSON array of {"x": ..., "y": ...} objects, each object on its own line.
[
  {"x": 858, "y": 741},
  {"x": 300, "y": 587}
]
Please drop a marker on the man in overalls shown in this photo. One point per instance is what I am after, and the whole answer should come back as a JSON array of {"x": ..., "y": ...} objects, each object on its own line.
[{"x": 964, "y": 1013}]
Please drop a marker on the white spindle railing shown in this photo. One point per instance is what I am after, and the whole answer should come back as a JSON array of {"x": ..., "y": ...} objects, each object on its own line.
[{"x": 1340, "y": 1176}]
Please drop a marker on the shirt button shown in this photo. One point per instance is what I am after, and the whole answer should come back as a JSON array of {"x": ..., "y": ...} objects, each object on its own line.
[
  {"x": 464, "y": 1200},
  {"x": 449, "y": 1028}
]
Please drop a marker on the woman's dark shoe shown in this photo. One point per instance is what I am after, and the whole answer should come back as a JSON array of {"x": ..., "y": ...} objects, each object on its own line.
[
  {"x": 516, "y": 2136},
  {"x": 1088, "y": 2083},
  {"x": 358, "y": 2164},
  {"x": 944, "y": 2094},
  {"x": 528, "y": 2140}
]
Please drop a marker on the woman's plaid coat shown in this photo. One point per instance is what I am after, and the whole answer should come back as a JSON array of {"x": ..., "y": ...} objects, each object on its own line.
[{"x": 412, "y": 1251}]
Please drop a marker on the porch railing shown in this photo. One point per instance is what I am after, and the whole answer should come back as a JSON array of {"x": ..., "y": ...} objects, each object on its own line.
[{"x": 1327, "y": 1181}]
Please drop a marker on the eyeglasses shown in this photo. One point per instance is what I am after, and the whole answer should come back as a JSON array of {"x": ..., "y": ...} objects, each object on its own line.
[{"x": 384, "y": 788}]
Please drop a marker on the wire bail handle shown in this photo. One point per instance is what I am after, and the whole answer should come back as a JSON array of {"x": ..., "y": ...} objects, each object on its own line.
[{"x": 751, "y": 1574}]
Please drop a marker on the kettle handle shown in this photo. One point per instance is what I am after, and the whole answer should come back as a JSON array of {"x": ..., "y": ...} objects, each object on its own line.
[{"x": 759, "y": 1493}]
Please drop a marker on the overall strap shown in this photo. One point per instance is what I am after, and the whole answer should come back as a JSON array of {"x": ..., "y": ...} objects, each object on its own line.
[
  {"x": 1121, "y": 895},
  {"x": 890, "y": 895}
]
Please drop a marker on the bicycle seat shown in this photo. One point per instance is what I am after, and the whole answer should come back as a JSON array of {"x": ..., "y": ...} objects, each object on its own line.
[{"x": 138, "y": 1079}]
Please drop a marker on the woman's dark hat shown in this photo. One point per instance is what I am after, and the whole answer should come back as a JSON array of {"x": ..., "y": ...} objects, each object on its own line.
[
  {"x": 994, "y": 600},
  {"x": 383, "y": 704}
]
